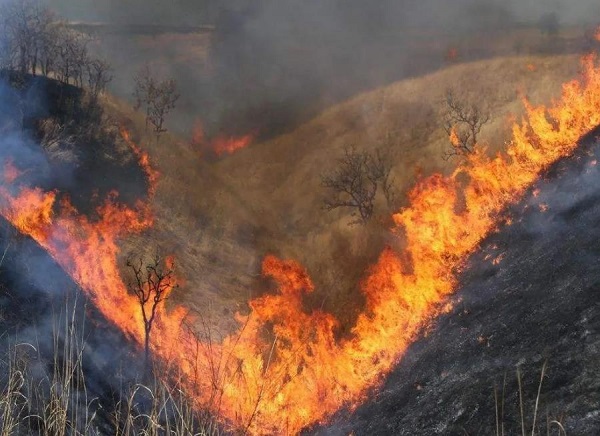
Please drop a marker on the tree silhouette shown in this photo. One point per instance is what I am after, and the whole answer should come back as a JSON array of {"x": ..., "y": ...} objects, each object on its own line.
[
  {"x": 152, "y": 282},
  {"x": 355, "y": 180},
  {"x": 463, "y": 123}
]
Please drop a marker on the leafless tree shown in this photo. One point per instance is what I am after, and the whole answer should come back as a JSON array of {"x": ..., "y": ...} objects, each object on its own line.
[
  {"x": 18, "y": 25},
  {"x": 151, "y": 285},
  {"x": 463, "y": 122},
  {"x": 143, "y": 90},
  {"x": 355, "y": 180},
  {"x": 48, "y": 47},
  {"x": 99, "y": 75},
  {"x": 164, "y": 101},
  {"x": 157, "y": 97},
  {"x": 28, "y": 31},
  {"x": 33, "y": 40},
  {"x": 74, "y": 56}
]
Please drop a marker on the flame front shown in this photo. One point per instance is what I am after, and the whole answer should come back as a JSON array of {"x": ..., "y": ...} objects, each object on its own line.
[{"x": 285, "y": 368}]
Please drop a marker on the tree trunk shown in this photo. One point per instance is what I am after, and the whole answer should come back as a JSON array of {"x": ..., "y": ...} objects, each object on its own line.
[{"x": 147, "y": 353}]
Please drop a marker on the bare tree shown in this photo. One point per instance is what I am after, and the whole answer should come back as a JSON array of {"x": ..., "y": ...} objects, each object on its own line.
[
  {"x": 151, "y": 285},
  {"x": 157, "y": 97},
  {"x": 355, "y": 180},
  {"x": 164, "y": 102},
  {"x": 48, "y": 47},
  {"x": 19, "y": 25},
  {"x": 381, "y": 169},
  {"x": 463, "y": 122},
  {"x": 28, "y": 31},
  {"x": 77, "y": 50},
  {"x": 99, "y": 75},
  {"x": 72, "y": 56},
  {"x": 33, "y": 41}
]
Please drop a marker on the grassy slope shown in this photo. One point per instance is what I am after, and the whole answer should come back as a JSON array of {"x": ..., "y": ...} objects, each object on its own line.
[{"x": 220, "y": 219}]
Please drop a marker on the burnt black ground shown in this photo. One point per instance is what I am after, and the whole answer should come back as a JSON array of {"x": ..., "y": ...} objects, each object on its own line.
[{"x": 540, "y": 303}]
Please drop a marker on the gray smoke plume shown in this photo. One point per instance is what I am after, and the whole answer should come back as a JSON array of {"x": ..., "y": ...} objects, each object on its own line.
[{"x": 274, "y": 63}]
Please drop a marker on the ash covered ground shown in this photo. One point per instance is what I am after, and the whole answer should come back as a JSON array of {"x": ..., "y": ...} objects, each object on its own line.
[{"x": 540, "y": 303}]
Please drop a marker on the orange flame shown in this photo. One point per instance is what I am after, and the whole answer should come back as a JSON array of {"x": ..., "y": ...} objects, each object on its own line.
[
  {"x": 220, "y": 145},
  {"x": 285, "y": 369},
  {"x": 144, "y": 160},
  {"x": 454, "y": 139},
  {"x": 229, "y": 145}
]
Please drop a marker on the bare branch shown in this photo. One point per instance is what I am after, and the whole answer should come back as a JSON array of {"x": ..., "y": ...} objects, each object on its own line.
[
  {"x": 355, "y": 180},
  {"x": 151, "y": 284},
  {"x": 463, "y": 122},
  {"x": 158, "y": 98}
]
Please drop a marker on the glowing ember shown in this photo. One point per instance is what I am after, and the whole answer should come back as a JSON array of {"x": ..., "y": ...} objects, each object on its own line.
[
  {"x": 498, "y": 259},
  {"x": 284, "y": 368}
]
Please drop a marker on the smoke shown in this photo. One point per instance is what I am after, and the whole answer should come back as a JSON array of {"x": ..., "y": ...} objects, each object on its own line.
[
  {"x": 388, "y": 12},
  {"x": 571, "y": 191},
  {"x": 43, "y": 315},
  {"x": 274, "y": 63}
]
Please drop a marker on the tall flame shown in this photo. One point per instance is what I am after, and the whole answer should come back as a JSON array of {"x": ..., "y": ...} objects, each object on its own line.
[{"x": 285, "y": 368}]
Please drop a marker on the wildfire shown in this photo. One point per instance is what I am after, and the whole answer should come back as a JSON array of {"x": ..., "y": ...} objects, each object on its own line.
[
  {"x": 454, "y": 139},
  {"x": 284, "y": 369},
  {"x": 222, "y": 144},
  {"x": 144, "y": 160}
]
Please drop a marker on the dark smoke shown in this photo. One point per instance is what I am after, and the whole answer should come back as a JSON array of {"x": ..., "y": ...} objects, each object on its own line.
[{"x": 275, "y": 63}]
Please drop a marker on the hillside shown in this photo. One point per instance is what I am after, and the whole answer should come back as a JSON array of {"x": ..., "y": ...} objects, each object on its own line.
[
  {"x": 220, "y": 219},
  {"x": 535, "y": 311}
]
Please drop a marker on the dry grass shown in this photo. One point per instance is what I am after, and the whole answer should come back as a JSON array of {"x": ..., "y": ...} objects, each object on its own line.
[
  {"x": 48, "y": 395},
  {"x": 529, "y": 425}
]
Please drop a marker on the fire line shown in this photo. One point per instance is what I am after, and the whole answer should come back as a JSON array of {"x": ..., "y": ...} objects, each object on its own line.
[{"x": 302, "y": 374}]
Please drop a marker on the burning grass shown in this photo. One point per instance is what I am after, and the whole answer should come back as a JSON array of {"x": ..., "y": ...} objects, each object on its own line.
[{"x": 284, "y": 368}]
